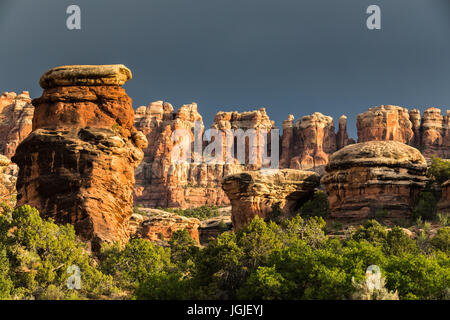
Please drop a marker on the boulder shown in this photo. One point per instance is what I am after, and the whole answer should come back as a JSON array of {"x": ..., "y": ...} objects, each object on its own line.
[
  {"x": 364, "y": 178},
  {"x": 256, "y": 193}
]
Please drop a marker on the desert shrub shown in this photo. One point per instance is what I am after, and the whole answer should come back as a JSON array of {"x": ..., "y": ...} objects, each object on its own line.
[
  {"x": 183, "y": 250},
  {"x": 317, "y": 206},
  {"x": 371, "y": 231},
  {"x": 418, "y": 276},
  {"x": 131, "y": 265},
  {"x": 399, "y": 243},
  {"x": 40, "y": 253},
  {"x": 264, "y": 283},
  {"x": 6, "y": 285},
  {"x": 439, "y": 170},
  {"x": 441, "y": 241},
  {"x": 162, "y": 286},
  {"x": 426, "y": 205}
]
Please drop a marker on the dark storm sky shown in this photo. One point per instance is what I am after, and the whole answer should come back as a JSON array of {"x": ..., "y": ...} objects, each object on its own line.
[{"x": 290, "y": 56}]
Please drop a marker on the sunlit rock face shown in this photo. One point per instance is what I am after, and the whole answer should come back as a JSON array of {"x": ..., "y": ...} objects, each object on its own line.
[
  {"x": 309, "y": 142},
  {"x": 16, "y": 116},
  {"x": 366, "y": 178},
  {"x": 77, "y": 166},
  {"x": 255, "y": 193},
  {"x": 162, "y": 182},
  {"x": 429, "y": 133}
]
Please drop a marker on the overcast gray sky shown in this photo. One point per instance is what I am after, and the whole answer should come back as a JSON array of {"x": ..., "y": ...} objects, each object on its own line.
[{"x": 290, "y": 56}]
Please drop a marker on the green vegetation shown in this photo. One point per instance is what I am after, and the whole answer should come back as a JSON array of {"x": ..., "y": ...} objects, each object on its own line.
[
  {"x": 318, "y": 206},
  {"x": 294, "y": 259},
  {"x": 35, "y": 255},
  {"x": 201, "y": 213},
  {"x": 426, "y": 202},
  {"x": 439, "y": 170}
]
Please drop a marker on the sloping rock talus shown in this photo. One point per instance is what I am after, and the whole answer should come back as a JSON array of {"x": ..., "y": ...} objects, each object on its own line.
[
  {"x": 77, "y": 166},
  {"x": 16, "y": 116},
  {"x": 374, "y": 177},
  {"x": 255, "y": 193}
]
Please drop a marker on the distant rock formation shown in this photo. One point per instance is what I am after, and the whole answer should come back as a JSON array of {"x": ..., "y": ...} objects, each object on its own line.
[
  {"x": 431, "y": 135},
  {"x": 444, "y": 203},
  {"x": 161, "y": 182},
  {"x": 368, "y": 178},
  {"x": 158, "y": 225},
  {"x": 308, "y": 144},
  {"x": 77, "y": 166},
  {"x": 435, "y": 134},
  {"x": 254, "y": 193},
  {"x": 16, "y": 115}
]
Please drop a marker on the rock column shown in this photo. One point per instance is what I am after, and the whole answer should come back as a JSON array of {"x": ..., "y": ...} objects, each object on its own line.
[{"x": 77, "y": 166}]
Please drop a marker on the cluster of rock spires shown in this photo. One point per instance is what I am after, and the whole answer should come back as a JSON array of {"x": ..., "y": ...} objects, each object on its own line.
[{"x": 81, "y": 147}]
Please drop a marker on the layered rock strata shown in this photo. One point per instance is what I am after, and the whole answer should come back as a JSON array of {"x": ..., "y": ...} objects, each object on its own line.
[
  {"x": 257, "y": 193},
  {"x": 308, "y": 144},
  {"x": 376, "y": 177},
  {"x": 77, "y": 166},
  {"x": 16, "y": 115}
]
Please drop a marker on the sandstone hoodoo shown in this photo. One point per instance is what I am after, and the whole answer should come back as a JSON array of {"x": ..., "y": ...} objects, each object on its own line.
[
  {"x": 374, "y": 177},
  {"x": 431, "y": 133},
  {"x": 444, "y": 203},
  {"x": 77, "y": 166},
  {"x": 308, "y": 144},
  {"x": 255, "y": 193},
  {"x": 385, "y": 123}
]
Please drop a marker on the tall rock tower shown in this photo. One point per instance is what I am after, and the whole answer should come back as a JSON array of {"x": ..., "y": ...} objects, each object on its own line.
[{"x": 77, "y": 165}]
